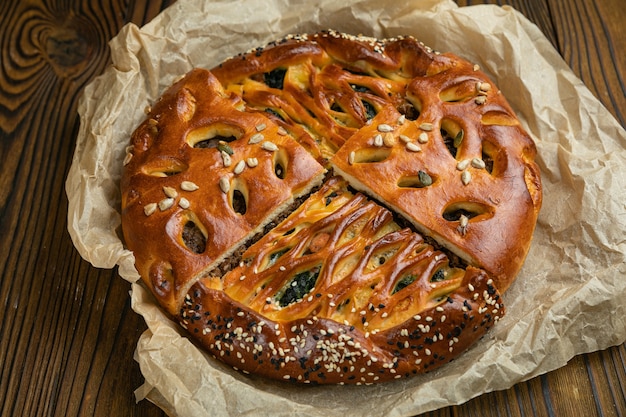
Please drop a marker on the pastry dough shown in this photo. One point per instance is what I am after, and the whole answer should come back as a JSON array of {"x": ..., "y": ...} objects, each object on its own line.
[{"x": 332, "y": 208}]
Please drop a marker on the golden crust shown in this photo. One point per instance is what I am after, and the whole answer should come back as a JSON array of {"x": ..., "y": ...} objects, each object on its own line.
[{"x": 338, "y": 292}]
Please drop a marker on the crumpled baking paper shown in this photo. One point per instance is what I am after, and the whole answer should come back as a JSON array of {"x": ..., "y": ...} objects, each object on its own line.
[{"x": 570, "y": 296}]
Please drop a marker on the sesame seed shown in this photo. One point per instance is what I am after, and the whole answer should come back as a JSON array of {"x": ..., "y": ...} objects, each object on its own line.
[
  {"x": 427, "y": 352},
  {"x": 149, "y": 209},
  {"x": 476, "y": 67},
  {"x": 188, "y": 186},
  {"x": 241, "y": 314},
  {"x": 439, "y": 309}
]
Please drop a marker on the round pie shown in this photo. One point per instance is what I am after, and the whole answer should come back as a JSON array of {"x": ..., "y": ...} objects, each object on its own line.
[{"x": 332, "y": 208}]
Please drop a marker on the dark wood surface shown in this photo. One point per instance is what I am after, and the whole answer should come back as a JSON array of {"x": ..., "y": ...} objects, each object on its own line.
[{"x": 67, "y": 333}]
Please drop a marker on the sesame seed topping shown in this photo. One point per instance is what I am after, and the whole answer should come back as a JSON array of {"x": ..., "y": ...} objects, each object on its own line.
[
  {"x": 470, "y": 287},
  {"x": 188, "y": 186}
]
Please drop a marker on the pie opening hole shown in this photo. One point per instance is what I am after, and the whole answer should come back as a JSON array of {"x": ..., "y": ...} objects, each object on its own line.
[
  {"x": 281, "y": 161},
  {"x": 420, "y": 180},
  {"x": 488, "y": 156},
  {"x": 454, "y": 211},
  {"x": 371, "y": 155},
  {"x": 208, "y": 137},
  {"x": 452, "y": 135},
  {"x": 409, "y": 110},
  {"x": 239, "y": 198},
  {"x": 275, "y": 78},
  {"x": 164, "y": 168},
  {"x": 194, "y": 237}
]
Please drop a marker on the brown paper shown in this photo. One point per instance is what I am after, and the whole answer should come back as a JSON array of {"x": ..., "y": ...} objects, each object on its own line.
[{"x": 569, "y": 297}]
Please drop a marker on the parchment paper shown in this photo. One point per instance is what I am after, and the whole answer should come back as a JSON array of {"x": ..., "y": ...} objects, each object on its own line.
[{"x": 570, "y": 296}]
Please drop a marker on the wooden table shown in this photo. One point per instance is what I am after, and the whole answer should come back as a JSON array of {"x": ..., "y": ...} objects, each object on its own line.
[{"x": 67, "y": 332}]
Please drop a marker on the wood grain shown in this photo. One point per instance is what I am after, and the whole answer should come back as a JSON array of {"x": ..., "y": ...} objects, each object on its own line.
[{"x": 67, "y": 333}]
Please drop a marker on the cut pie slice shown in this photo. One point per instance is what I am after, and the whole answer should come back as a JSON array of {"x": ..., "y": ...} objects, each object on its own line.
[{"x": 338, "y": 287}]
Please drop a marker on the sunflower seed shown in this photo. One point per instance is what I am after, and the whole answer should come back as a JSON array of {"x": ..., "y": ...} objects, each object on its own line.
[
  {"x": 226, "y": 159},
  {"x": 383, "y": 127},
  {"x": 239, "y": 167},
  {"x": 389, "y": 140},
  {"x": 413, "y": 147},
  {"x": 170, "y": 192},
  {"x": 166, "y": 203},
  {"x": 405, "y": 138},
  {"x": 224, "y": 184},
  {"x": 480, "y": 100},
  {"x": 378, "y": 140},
  {"x": 422, "y": 138},
  {"x": 149, "y": 209},
  {"x": 401, "y": 119},
  {"x": 478, "y": 163},
  {"x": 269, "y": 146},
  {"x": 260, "y": 127},
  {"x": 127, "y": 158},
  {"x": 256, "y": 138},
  {"x": 351, "y": 158},
  {"x": 426, "y": 126},
  {"x": 188, "y": 186},
  {"x": 252, "y": 162},
  {"x": 466, "y": 177},
  {"x": 281, "y": 131},
  {"x": 183, "y": 203},
  {"x": 462, "y": 165}
]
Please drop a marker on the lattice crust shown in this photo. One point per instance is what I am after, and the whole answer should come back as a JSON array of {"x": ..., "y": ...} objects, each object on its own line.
[
  {"x": 337, "y": 287},
  {"x": 202, "y": 177}
]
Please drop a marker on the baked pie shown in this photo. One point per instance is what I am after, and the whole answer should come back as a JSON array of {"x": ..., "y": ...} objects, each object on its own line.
[{"x": 332, "y": 208}]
